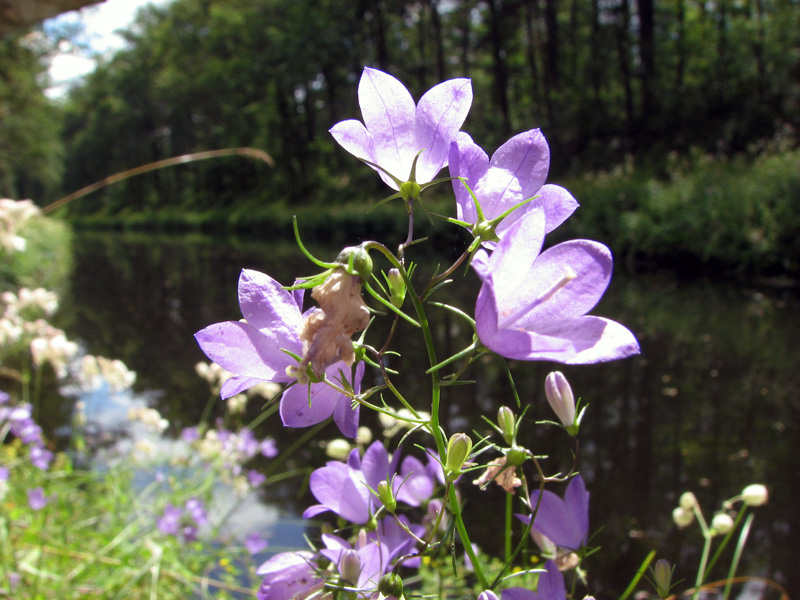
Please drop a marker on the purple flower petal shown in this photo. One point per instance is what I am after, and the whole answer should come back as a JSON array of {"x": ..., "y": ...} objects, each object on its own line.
[
  {"x": 440, "y": 113},
  {"x": 532, "y": 307},
  {"x": 395, "y": 130},
  {"x": 565, "y": 522},
  {"x": 288, "y": 575},
  {"x": 549, "y": 587},
  {"x": 245, "y": 351},
  {"x": 342, "y": 490}
]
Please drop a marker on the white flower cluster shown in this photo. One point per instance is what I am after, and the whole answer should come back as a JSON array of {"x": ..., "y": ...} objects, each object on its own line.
[
  {"x": 149, "y": 417},
  {"x": 21, "y": 312},
  {"x": 12, "y": 214},
  {"x": 55, "y": 348},
  {"x": 93, "y": 370}
]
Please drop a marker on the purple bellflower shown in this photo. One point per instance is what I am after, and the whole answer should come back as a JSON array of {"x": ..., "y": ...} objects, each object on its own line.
[
  {"x": 254, "y": 351},
  {"x": 549, "y": 587},
  {"x": 344, "y": 488},
  {"x": 288, "y": 575},
  {"x": 516, "y": 172},
  {"x": 373, "y": 554},
  {"x": 533, "y": 306},
  {"x": 564, "y": 522},
  {"x": 395, "y": 130}
]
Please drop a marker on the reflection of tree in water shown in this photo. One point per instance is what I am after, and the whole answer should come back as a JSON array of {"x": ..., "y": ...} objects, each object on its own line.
[{"x": 709, "y": 406}]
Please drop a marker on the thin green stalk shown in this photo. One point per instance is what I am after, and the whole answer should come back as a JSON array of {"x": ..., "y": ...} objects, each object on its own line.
[
  {"x": 724, "y": 543},
  {"x": 509, "y": 509},
  {"x": 434, "y": 426},
  {"x": 639, "y": 574},
  {"x": 737, "y": 555},
  {"x": 703, "y": 561},
  {"x": 207, "y": 410}
]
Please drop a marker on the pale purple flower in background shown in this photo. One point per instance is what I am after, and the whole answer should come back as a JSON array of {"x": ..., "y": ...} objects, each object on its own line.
[
  {"x": 255, "y": 479},
  {"x": 189, "y": 533},
  {"x": 395, "y": 129},
  {"x": 169, "y": 523},
  {"x": 4, "y": 473},
  {"x": 253, "y": 350},
  {"x": 254, "y": 543},
  {"x": 40, "y": 457},
  {"x": 269, "y": 448},
  {"x": 288, "y": 575},
  {"x": 197, "y": 510},
  {"x": 190, "y": 434},
  {"x": 564, "y": 522},
  {"x": 533, "y": 306},
  {"x": 36, "y": 499},
  {"x": 549, "y": 587},
  {"x": 516, "y": 172}
]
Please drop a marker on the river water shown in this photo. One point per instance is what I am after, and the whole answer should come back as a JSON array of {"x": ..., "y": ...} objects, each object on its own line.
[{"x": 710, "y": 405}]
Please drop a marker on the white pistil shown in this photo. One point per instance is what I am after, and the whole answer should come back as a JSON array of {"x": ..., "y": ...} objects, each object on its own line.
[{"x": 569, "y": 275}]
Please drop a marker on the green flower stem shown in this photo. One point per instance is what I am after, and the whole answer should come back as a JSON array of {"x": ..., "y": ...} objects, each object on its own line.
[
  {"x": 639, "y": 574},
  {"x": 434, "y": 427},
  {"x": 509, "y": 510},
  {"x": 703, "y": 561},
  {"x": 737, "y": 555},
  {"x": 723, "y": 544}
]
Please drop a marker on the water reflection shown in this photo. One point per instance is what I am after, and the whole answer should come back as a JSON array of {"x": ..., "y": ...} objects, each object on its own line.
[{"x": 711, "y": 405}]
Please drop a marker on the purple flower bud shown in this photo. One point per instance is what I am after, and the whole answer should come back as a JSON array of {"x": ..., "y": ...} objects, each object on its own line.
[
  {"x": 350, "y": 567},
  {"x": 559, "y": 395}
]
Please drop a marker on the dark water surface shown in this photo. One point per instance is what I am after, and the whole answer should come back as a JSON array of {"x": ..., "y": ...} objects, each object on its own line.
[{"x": 711, "y": 405}]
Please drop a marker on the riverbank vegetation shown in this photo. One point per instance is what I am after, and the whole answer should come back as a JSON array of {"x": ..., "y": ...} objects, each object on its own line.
[{"x": 679, "y": 119}]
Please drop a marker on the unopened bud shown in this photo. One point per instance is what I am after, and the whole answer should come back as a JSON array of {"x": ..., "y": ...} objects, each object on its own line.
[
  {"x": 559, "y": 395},
  {"x": 507, "y": 424},
  {"x": 458, "y": 449},
  {"x": 662, "y": 577},
  {"x": 356, "y": 261},
  {"x": 350, "y": 567},
  {"x": 682, "y": 517},
  {"x": 338, "y": 449},
  {"x": 687, "y": 501},
  {"x": 488, "y": 595},
  {"x": 755, "y": 494},
  {"x": 391, "y": 585},
  {"x": 397, "y": 287},
  {"x": 386, "y": 496},
  {"x": 722, "y": 523}
]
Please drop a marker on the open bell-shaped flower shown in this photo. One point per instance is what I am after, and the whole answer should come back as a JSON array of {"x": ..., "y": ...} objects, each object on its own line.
[
  {"x": 396, "y": 132},
  {"x": 533, "y": 306}
]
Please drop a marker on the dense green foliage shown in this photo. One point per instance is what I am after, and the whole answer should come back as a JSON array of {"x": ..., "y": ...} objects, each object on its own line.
[
  {"x": 30, "y": 148},
  {"x": 610, "y": 83},
  {"x": 603, "y": 81}
]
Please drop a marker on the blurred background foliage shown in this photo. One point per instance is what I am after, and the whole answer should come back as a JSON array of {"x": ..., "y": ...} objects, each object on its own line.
[{"x": 669, "y": 99}]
